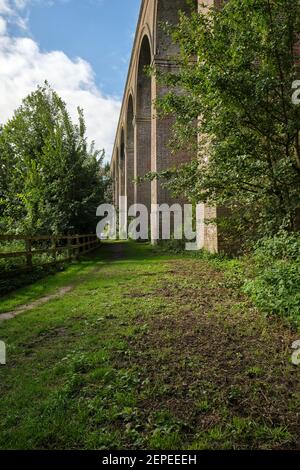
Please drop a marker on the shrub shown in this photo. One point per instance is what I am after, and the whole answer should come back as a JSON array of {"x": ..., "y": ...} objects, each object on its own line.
[{"x": 275, "y": 287}]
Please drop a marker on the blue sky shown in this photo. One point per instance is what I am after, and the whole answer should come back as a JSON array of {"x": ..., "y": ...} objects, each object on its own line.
[
  {"x": 82, "y": 47},
  {"x": 99, "y": 31}
]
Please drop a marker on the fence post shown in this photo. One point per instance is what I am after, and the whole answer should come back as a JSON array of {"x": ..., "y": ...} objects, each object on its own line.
[
  {"x": 28, "y": 253},
  {"x": 53, "y": 247},
  {"x": 69, "y": 245},
  {"x": 78, "y": 243}
]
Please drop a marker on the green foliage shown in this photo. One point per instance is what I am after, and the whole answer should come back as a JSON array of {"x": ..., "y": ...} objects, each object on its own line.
[
  {"x": 246, "y": 143},
  {"x": 275, "y": 287},
  {"x": 50, "y": 181},
  {"x": 172, "y": 246}
]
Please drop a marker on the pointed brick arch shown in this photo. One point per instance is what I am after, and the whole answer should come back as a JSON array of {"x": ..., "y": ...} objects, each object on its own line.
[
  {"x": 129, "y": 151},
  {"x": 122, "y": 164},
  {"x": 142, "y": 134},
  {"x": 117, "y": 176}
]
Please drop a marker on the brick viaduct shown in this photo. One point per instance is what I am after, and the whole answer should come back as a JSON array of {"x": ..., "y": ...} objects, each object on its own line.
[{"x": 141, "y": 143}]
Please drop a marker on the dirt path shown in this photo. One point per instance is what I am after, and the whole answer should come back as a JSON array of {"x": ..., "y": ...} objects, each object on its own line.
[
  {"x": 117, "y": 251},
  {"x": 37, "y": 303},
  {"x": 54, "y": 296}
]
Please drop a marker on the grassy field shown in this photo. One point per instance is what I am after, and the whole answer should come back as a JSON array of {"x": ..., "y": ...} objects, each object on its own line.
[{"x": 145, "y": 350}]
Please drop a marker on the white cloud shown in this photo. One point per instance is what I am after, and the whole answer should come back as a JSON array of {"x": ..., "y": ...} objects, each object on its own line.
[
  {"x": 5, "y": 7},
  {"x": 23, "y": 66},
  {"x": 13, "y": 9},
  {"x": 2, "y": 26}
]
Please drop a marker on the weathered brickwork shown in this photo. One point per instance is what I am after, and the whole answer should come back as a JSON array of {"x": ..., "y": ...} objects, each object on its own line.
[
  {"x": 142, "y": 139},
  {"x": 129, "y": 152}
]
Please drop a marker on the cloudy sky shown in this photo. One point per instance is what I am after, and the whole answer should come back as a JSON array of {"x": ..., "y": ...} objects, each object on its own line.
[{"x": 82, "y": 47}]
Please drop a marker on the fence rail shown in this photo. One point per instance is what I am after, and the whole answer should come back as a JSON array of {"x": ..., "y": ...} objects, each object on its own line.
[{"x": 71, "y": 245}]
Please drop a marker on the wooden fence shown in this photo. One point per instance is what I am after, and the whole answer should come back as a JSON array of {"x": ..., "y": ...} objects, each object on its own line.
[{"x": 68, "y": 247}]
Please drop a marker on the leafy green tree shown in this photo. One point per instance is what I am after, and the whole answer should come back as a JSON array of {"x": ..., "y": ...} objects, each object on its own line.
[
  {"x": 231, "y": 96},
  {"x": 51, "y": 181}
]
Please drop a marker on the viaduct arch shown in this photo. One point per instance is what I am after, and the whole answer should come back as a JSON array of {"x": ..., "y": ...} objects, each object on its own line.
[{"x": 141, "y": 143}]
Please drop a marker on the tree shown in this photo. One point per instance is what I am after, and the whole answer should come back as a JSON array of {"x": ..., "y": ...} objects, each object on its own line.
[
  {"x": 51, "y": 182},
  {"x": 231, "y": 97}
]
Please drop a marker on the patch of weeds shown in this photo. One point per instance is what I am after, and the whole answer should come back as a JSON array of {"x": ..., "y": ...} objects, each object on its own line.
[
  {"x": 242, "y": 433},
  {"x": 254, "y": 372},
  {"x": 235, "y": 394},
  {"x": 164, "y": 431},
  {"x": 203, "y": 406}
]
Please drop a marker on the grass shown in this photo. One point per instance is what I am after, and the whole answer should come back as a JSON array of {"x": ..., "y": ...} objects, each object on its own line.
[
  {"x": 13, "y": 274},
  {"x": 149, "y": 350}
]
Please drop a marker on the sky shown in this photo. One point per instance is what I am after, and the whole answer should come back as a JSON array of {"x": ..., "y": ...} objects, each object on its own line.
[{"x": 82, "y": 47}]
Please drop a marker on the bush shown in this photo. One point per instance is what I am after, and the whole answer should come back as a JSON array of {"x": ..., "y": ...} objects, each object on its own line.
[
  {"x": 275, "y": 287},
  {"x": 172, "y": 246}
]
